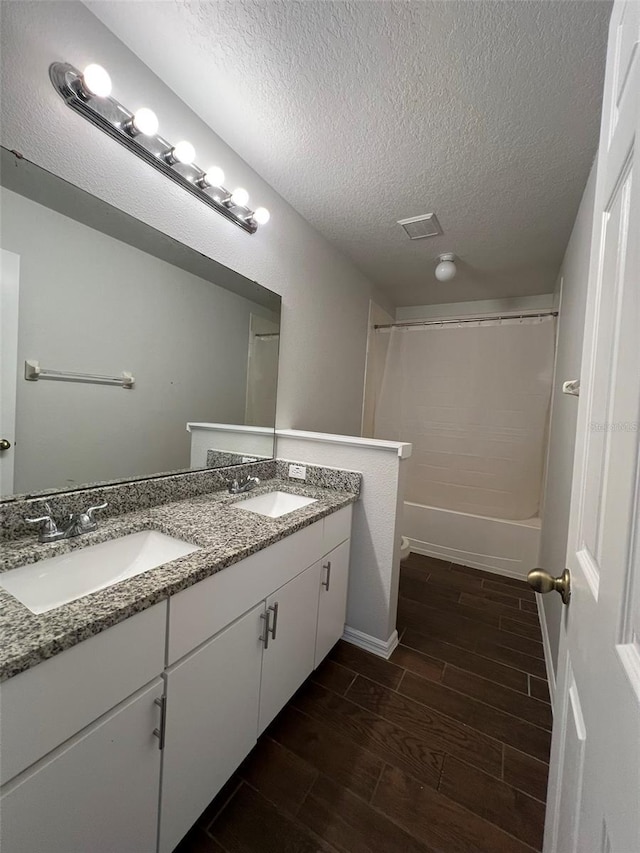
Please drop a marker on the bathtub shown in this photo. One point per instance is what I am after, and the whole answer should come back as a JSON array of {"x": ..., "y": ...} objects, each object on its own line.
[{"x": 497, "y": 545}]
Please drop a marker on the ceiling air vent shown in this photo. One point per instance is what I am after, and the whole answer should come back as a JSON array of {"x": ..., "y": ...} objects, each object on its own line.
[{"x": 418, "y": 227}]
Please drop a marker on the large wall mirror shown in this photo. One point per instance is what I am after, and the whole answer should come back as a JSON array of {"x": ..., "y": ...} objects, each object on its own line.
[{"x": 177, "y": 354}]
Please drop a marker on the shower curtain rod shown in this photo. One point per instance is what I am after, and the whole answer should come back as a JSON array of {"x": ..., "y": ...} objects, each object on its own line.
[{"x": 520, "y": 316}]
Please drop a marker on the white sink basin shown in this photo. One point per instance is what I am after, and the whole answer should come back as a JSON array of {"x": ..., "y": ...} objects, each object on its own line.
[
  {"x": 50, "y": 583},
  {"x": 274, "y": 504}
]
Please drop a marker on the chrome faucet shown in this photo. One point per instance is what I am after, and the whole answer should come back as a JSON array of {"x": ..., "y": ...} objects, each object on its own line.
[
  {"x": 77, "y": 524},
  {"x": 237, "y": 487}
]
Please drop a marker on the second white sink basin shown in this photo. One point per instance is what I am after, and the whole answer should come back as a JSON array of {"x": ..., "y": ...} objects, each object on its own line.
[
  {"x": 274, "y": 504},
  {"x": 50, "y": 583}
]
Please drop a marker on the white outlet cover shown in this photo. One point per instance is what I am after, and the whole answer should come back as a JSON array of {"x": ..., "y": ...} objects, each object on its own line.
[{"x": 298, "y": 472}]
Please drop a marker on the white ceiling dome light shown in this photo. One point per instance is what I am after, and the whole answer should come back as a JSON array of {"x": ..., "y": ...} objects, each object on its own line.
[{"x": 446, "y": 269}]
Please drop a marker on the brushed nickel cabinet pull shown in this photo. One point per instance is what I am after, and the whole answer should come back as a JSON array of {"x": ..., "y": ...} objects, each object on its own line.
[
  {"x": 325, "y": 582},
  {"x": 265, "y": 637},
  {"x": 161, "y": 702},
  {"x": 274, "y": 610}
]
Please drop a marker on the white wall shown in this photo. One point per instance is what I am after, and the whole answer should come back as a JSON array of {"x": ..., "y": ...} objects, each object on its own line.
[
  {"x": 325, "y": 299},
  {"x": 92, "y": 304},
  {"x": 572, "y": 287},
  {"x": 544, "y": 302},
  {"x": 377, "y": 517}
]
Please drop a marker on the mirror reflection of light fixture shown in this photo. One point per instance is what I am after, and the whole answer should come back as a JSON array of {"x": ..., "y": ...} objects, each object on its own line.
[
  {"x": 446, "y": 269},
  {"x": 89, "y": 94}
]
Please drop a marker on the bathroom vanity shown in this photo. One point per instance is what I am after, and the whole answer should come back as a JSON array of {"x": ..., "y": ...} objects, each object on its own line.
[{"x": 124, "y": 712}]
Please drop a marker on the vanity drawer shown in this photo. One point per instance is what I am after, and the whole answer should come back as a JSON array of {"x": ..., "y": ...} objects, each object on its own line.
[
  {"x": 337, "y": 528},
  {"x": 197, "y": 613},
  {"x": 44, "y": 706}
]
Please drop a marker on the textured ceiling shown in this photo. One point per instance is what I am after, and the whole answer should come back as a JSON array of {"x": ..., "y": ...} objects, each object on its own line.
[{"x": 363, "y": 113}]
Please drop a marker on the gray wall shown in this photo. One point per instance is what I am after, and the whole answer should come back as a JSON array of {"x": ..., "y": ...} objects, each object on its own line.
[
  {"x": 89, "y": 303},
  {"x": 325, "y": 299},
  {"x": 543, "y": 302},
  {"x": 572, "y": 286}
]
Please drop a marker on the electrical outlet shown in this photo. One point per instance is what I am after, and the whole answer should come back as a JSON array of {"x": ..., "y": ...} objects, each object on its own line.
[{"x": 298, "y": 472}]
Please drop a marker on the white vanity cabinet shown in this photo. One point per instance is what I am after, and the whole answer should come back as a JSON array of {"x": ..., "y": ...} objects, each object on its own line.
[
  {"x": 80, "y": 762},
  {"x": 332, "y": 600},
  {"x": 226, "y": 682},
  {"x": 212, "y": 699},
  {"x": 137, "y": 729},
  {"x": 98, "y": 792},
  {"x": 290, "y": 642}
]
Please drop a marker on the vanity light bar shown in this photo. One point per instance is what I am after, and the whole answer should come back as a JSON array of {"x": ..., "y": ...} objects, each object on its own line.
[{"x": 88, "y": 94}]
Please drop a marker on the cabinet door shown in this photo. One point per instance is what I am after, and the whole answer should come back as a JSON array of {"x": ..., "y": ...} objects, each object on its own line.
[
  {"x": 288, "y": 656},
  {"x": 97, "y": 792},
  {"x": 332, "y": 604},
  {"x": 211, "y": 722}
]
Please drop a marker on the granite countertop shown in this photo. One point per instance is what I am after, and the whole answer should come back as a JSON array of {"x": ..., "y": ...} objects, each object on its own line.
[{"x": 225, "y": 536}]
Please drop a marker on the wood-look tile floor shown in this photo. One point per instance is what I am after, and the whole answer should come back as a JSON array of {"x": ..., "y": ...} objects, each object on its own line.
[{"x": 444, "y": 747}]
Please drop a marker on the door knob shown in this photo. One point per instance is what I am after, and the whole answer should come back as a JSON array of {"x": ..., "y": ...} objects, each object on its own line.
[
  {"x": 4, "y": 444},
  {"x": 542, "y": 581}
]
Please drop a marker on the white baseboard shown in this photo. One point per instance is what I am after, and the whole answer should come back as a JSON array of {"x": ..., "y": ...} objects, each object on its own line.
[
  {"x": 462, "y": 558},
  {"x": 382, "y": 648},
  {"x": 546, "y": 647}
]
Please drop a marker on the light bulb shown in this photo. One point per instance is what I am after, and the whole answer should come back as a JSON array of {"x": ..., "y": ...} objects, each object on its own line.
[
  {"x": 446, "y": 268},
  {"x": 261, "y": 215},
  {"x": 96, "y": 81},
  {"x": 183, "y": 152},
  {"x": 145, "y": 121},
  {"x": 240, "y": 197},
  {"x": 214, "y": 177}
]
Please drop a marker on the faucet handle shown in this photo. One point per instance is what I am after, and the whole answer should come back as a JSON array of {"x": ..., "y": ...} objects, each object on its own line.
[
  {"x": 44, "y": 518},
  {"x": 92, "y": 509},
  {"x": 47, "y": 523}
]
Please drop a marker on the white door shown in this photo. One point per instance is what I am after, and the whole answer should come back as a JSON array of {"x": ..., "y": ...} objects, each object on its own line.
[
  {"x": 289, "y": 654},
  {"x": 332, "y": 603},
  {"x": 594, "y": 781},
  {"x": 211, "y": 722},
  {"x": 9, "y": 291},
  {"x": 97, "y": 792}
]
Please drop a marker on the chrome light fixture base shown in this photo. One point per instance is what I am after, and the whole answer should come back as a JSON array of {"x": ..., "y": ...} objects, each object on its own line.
[{"x": 116, "y": 120}]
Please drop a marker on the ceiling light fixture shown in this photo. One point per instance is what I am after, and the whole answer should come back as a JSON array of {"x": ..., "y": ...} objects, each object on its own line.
[
  {"x": 446, "y": 269},
  {"x": 261, "y": 215},
  {"x": 144, "y": 121},
  {"x": 182, "y": 152},
  {"x": 213, "y": 177},
  {"x": 239, "y": 197},
  {"x": 96, "y": 81},
  {"x": 88, "y": 93}
]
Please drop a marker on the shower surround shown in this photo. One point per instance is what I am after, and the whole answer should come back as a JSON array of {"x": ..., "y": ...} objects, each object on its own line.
[{"x": 473, "y": 398}]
